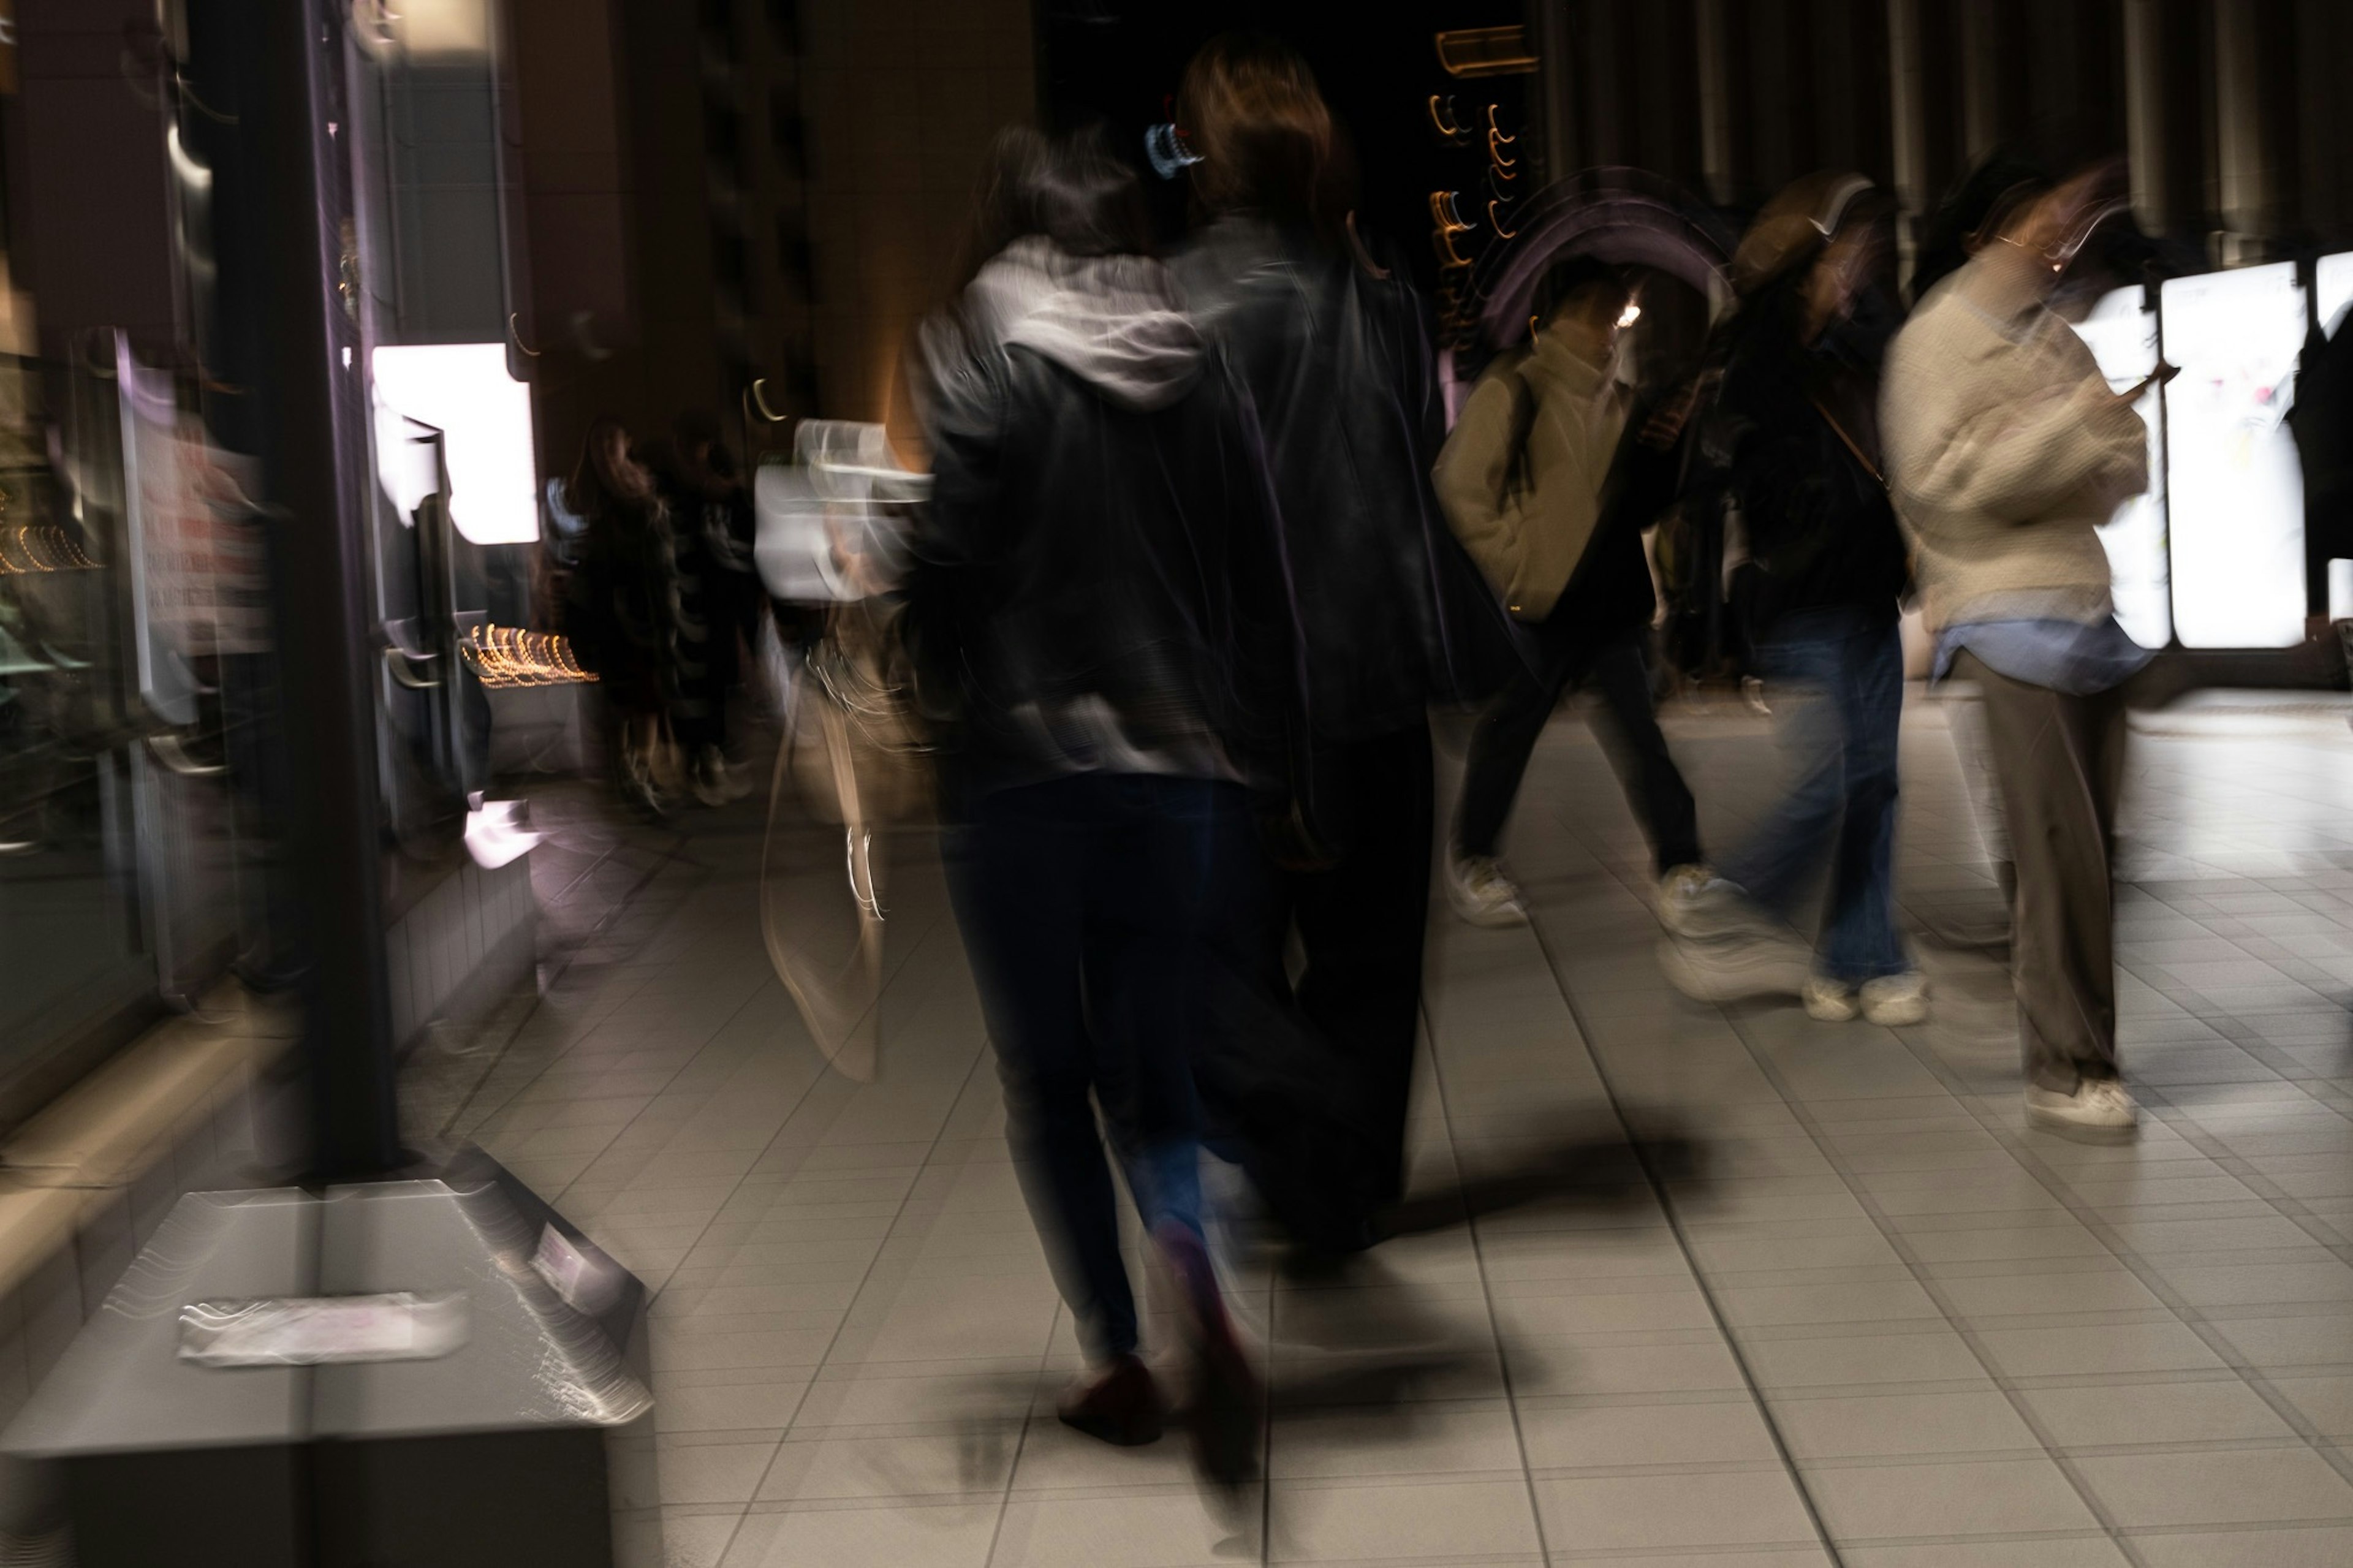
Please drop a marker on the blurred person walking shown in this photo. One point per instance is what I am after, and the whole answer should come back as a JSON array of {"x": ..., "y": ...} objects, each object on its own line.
[
  {"x": 1796, "y": 421},
  {"x": 2006, "y": 452},
  {"x": 1084, "y": 621},
  {"x": 619, "y": 613},
  {"x": 719, "y": 595},
  {"x": 1543, "y": 483},
  {"x": 1310, "y": 1078}
]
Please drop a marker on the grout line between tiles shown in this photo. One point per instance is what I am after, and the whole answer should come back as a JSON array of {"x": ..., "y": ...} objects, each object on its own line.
[
  {"x": 1682, "y": 1242},
  {"x": 1933, "y": 1286},
  {"x": 1486, "y": 1286},
  {"x": 947, "y": 1117},
  {"x": 2089, "y": 1216}
]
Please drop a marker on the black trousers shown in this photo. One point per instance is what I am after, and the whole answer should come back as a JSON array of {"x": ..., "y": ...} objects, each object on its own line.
[
  {"x": 1305, "y": 1080},
  {"x": 1507, "y": 731}
]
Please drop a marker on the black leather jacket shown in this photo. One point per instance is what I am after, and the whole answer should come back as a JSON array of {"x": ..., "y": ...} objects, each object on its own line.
[
  {"x": 1393, "y": 614},
  {"x": 1080, "y": 559}
]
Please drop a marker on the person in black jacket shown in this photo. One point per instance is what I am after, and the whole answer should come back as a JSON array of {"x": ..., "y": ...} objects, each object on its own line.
[
  {"x": 619, "y": 609},
  {"x": 1310, "y": 1083},
  {"x": 1092, "y": 617},
  {"x": 1797, "y": 415}
]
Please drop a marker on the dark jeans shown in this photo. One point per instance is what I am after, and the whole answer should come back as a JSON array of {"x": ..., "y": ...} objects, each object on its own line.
[
  {"x": 1309, "y": 1078},
  {"x": 1084, "y": 904},
  {"x": 2058, "y": 763},
  {"x": 1840, "y": 731},
  {"x": 1507, "y": 731}
]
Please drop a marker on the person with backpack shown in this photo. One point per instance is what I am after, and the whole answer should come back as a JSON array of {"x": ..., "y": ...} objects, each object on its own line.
[
  {"x": 1549, "y": 483},
  {"x": 1797, "y": 418}
]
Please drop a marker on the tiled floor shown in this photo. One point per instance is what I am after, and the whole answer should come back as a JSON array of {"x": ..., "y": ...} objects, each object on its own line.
[{"x": 1737, "y": 1288}]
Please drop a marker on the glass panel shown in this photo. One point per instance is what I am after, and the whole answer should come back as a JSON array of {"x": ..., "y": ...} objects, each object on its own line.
[
  {"x": 2123, "y": 337},
  {"x": 70, "y": 948},
  {"x": 2237, "y": 488}
]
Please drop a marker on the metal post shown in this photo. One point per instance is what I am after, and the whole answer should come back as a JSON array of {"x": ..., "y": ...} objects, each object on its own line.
[
  {"x": 1981, "y": 69},
  {"x": 1557, "y": 81},
  {"x": 2145, "y": 111},
  {"x": 1716, "y": 100},
  {"x": 292, "y": 151},
  {"x": 1908, "y": 121},
  {"x": 2241, "y": 154}
]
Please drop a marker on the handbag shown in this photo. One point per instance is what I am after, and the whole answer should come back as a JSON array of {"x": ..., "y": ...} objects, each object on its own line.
[
  {"x": 851, "y": 743},
  {"x": 853, "y": 759}
]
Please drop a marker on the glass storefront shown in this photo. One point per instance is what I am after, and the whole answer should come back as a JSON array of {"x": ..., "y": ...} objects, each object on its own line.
[{"x": 131, "y": 633}]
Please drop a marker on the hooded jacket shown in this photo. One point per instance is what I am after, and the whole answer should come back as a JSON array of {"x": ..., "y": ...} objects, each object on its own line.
[{"x": 1095, "y": 585}]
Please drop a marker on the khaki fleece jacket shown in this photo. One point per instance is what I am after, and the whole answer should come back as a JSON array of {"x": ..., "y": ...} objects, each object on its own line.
[
  {"x": 1527, "y": 525},
  {"x": 2006, "y": 452}
]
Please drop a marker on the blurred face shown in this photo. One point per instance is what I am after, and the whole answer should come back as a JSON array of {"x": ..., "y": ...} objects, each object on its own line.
[
  {"x": 2049, "y": 229},
  {"x": 1590, "y": 320}
]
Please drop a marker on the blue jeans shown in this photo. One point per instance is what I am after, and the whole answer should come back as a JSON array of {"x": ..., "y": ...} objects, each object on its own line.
[
  {"x": 1841, "y": 739},
  {"x": 1084, "y": 904}
]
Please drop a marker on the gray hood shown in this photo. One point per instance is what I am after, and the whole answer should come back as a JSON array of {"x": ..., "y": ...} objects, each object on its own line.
[{"x": 1117, "y": 322}]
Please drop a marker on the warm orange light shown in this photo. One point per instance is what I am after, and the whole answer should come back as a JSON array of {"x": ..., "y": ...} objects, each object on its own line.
[
  {"x": 1485, "y": 51},
  {"x": 31, "y": 549},
  {"x": 509, "y": 656}
]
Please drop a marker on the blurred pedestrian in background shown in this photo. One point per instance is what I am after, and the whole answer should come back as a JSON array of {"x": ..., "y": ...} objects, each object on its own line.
[
  {"x": 719, "y": 595},
  {"x": 620, "y": 616},
  {"x": 1550, "y": 493},
  {"x": 1796, "y": 422},
  {"x": 1310, "y": 1083},
  {"x": 2006, "y": 452},
  {"x": 1088, "y": 606}
]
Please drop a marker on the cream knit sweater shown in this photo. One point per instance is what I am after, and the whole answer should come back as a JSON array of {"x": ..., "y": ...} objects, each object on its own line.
[{"x": 2006, "y": 452}]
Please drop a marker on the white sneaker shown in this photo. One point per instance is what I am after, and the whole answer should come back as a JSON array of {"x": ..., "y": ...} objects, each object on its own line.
[
  {"x": 1697, "y": 905},
  {"x": 1481, "y": 893},
  {"x": 2098, "y": 1105},
  {"x": 1832, "y": 1000},
  {"x": 1683, "y": 891},
  {"x": 1736, "y": 968},
  {"x": 1894, "y": 1001}
]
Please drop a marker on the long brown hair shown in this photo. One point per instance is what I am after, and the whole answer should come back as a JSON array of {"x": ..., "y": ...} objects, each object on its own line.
[{"x": 1250, "y": 107}]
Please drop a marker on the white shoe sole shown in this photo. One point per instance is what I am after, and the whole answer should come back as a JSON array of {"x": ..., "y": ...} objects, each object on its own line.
[
  {"x": 1897, "y": 1014},
  {"x": 1707, "y": 976},
  {"x": 2057, "y": 1120},
  {"x": 1830, "y": 1009},
  {"x": 1495, "y": 919}
]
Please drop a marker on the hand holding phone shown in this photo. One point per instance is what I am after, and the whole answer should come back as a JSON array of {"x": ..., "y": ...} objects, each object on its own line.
[{"x": 2157, "y": 377}]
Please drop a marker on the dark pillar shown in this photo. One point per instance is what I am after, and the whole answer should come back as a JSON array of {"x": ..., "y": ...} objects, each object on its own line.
[{"x": 285, "y": 167}]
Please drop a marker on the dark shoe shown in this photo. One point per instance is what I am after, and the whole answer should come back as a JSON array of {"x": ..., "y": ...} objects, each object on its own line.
[
  {"x": 1228, "y": 1402},
  {"x": 1120, "y": 1404}
]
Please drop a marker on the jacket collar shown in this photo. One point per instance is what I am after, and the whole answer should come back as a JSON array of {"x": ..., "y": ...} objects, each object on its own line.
[
  {"x": 2011, "y": 301},
  {"x": 1560, "y": 365}
]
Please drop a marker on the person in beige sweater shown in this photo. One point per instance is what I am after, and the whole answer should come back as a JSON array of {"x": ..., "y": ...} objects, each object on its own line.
[
  {"x": 2006, "y": 452},
  {"x": 1549, "y": 496}
]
